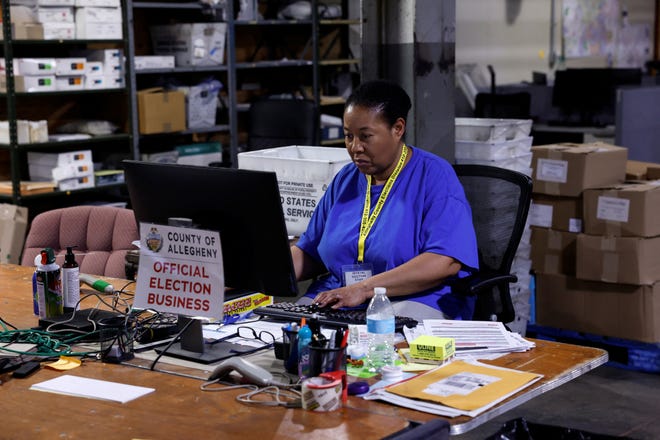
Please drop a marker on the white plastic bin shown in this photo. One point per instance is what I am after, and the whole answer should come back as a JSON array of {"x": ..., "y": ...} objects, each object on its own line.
[
  {"x": 494, "y": 130},
  {"x": 493, "y": 150},
  {"x": 521, "y": 163},
  {"x": 303, "y": 175}
]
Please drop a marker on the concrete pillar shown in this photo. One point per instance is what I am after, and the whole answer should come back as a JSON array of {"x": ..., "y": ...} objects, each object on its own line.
[{"x": 413, "y": 42}]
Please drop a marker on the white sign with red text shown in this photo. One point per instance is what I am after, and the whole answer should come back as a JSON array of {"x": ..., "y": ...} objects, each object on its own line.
[{"x": 180, "y": 271}]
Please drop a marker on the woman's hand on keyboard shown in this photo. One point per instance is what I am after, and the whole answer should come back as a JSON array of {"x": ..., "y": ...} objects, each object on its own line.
[{"x": 349, "y": 296}]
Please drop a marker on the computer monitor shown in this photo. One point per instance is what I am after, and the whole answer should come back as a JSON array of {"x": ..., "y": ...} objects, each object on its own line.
[
  {"x": 587, "y": 97},
  {"x": 243, "y": 206}
]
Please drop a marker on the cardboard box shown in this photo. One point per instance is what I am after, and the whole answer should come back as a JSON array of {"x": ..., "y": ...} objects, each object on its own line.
[
  {"x": 192, "y": 44},
  {"x": 568, "y": 169},
  {"x": 616, "y": 310},
  {"x": 432, "y": 348},
  {"x": 95, "y": 82},
  {"x": 75, "y": 183},
  {"x": 22, "y": 132},
  {"x": 70, "y": 66},
  {"x": 67, "y": 171},
  {"x": 653, "y": 172},
  {"x": 636, "y": 170},
  {"x": 35, "y": 66},
  {"x": 144, "y": 62},
  {"x": 303, "y": 174},
  {"x": 553, "y": 251},
  {"x": 561, "y": 213},
  {"x": 161, "y": 111},
  {"x": 43, "y": 2},
  {"x": 13, "y": 224},
  {"x": 59, "y": 30},
  {"x": 199, "y": 154},
  {"x": 30, "y": 84},
  {"x": 88, "y": 30},
  {"x": 98, "y": 3},
  {"x": 629, "y": 260},
  {"x": 98, "y": 15},
  {"x": 70, "y": 82},
  {"x": 94, "y": 68},
  {"x": 629, "y": 209},
  {"x": 26, "y": 31},
  {"x": 38, "y": 131},
  {"x": 54, "y": 14},
  {"x": 59, "y": 159},
  {"x": 113, "y": 81}
]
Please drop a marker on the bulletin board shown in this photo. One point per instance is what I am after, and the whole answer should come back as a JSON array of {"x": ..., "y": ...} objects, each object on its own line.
[{"x": 597, "y": 28}]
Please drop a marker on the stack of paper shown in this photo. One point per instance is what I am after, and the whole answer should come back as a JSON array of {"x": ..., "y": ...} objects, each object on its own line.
[
  {"x": 472, "y": 337},
  {"x": 455, "y": 389}
]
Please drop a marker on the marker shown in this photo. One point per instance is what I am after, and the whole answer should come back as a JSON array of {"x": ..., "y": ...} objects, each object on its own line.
[{"x": 96, "y": 284}]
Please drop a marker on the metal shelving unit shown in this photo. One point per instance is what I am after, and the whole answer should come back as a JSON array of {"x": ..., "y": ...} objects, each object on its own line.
[
  {"x": 11, "y": 99},
  {"x": 232, "y": 68}
]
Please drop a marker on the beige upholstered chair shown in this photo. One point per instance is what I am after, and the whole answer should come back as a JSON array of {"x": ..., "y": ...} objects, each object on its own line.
[{"x": 101, "y": 235}]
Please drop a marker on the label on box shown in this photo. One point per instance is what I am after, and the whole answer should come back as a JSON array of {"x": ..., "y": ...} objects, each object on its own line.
[
  {"x": 299, "y": 200},
  {"x": 242, "y": 307},
  {"x": 552, "y": 170},
  {"x": 432, "y": 347},
  {"x": 575, "y": 225},
  {"x": 613, "y": 208},
  {"x": 46, "y": 15},
  {"x": 59, "y": 31},
  {"x": 540, "y": 215}
]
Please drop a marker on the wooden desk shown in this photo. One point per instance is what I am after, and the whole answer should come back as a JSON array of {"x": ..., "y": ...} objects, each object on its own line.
[{"x": 178, "y": 409}]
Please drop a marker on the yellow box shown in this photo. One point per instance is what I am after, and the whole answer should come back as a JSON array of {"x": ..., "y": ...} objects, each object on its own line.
[{"x": 432, "y": 348}]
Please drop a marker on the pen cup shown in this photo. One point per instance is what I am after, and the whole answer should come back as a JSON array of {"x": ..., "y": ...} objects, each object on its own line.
[
  {"x": 324, "y": 359},
  {"x": 290, "y": 350},
  {"x": 116, "y": 336}
]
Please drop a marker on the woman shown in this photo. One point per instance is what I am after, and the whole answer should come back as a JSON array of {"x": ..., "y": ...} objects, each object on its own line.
[{"x": 417, "y": 233}]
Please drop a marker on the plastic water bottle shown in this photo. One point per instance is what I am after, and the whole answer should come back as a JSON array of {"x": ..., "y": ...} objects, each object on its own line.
[{"x": 380, "y": 331}]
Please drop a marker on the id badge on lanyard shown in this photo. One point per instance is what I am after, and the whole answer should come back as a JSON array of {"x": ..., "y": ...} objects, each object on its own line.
[{"x": 354, "y": 273}]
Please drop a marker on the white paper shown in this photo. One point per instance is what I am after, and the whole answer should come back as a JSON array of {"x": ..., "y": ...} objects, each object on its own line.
[{"x": 92, "y": 388}]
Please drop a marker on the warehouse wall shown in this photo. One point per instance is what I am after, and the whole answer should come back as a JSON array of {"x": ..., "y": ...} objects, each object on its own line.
[{"x": 514, "y": 35}]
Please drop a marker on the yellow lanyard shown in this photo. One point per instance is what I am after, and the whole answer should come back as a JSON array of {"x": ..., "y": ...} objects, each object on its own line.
[{"x": 369, "y": 220}]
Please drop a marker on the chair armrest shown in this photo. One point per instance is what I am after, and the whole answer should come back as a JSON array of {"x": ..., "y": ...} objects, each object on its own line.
[{"x": 473, "y": 284}]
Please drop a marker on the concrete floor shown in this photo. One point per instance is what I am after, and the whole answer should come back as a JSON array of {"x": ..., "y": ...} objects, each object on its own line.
[{"x": 607, "y": 400}]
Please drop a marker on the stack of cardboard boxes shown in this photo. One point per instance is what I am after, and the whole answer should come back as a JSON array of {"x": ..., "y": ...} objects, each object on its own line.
[
  {"x": 70, "y": 171},
  {"x": 91, "y": 69},
  {"x": 595, "y": 243},
  {"x": 67, "y": 19}
]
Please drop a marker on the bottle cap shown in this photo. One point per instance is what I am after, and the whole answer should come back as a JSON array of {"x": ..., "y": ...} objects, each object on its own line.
[
  {"x": 47, "y": 256},
  {"x": 380, "y": 290},
  {"x": 391, "y": 372},
  {"x": 70, "y": 256}
]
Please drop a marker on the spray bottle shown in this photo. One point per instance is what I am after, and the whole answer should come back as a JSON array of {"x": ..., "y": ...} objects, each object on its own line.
[
  {"x": 70, "y": 281},
  {"x": 49, "y": 285}
]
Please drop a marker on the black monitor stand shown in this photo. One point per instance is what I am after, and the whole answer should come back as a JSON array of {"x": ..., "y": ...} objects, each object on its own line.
[{"x": 192, "y": 346}]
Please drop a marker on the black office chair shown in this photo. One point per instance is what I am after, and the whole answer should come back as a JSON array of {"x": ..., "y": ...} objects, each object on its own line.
[
  {"x": 500, "y": 200},
  {"x": 281, "y": 122}
]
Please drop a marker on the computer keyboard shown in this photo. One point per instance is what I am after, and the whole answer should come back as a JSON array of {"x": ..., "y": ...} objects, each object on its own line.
[{"x": 287, "y": 311}]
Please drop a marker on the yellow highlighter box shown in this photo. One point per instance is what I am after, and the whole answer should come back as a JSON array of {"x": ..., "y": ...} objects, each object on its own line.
[{"x": 432, "y": 348}]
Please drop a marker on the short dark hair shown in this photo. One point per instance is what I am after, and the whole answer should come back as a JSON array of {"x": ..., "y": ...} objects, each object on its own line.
[{"x": 386, "y": 97}]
